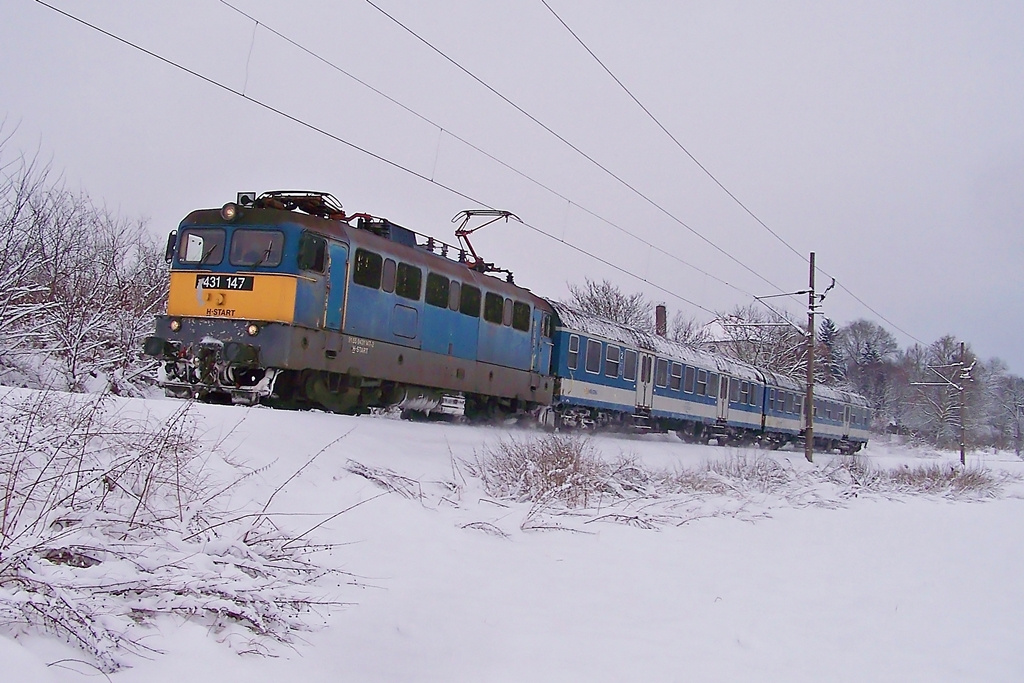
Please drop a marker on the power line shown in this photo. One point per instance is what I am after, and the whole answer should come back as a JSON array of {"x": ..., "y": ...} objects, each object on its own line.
[
  {"x": 354, "y": 146},
  {"x": 576, "y": 149},
  {"x": 708, "y": 172},
  {"x": 442, "y": 129}
]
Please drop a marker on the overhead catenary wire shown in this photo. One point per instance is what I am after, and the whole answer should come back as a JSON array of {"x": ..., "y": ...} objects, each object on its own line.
[
  {"x": 444, "y": 131},
  {"x": 358, "y": 148},
  {"x": 575, "y": 148},
  {"x": 707, "y": 172}
]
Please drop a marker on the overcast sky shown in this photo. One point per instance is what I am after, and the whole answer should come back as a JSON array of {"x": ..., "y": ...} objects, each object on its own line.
[{"x": 888, "y": 136}]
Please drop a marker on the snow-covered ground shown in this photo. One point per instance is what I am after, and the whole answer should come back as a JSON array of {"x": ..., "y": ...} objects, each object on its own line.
[{"x": 444, "y": 582}]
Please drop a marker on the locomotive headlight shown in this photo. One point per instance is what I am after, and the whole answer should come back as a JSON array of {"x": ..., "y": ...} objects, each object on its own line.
[
  {"x": 229, "y": 211},
  {"x": 253, "y": 329},
  {"x": 175, "y": 325}
]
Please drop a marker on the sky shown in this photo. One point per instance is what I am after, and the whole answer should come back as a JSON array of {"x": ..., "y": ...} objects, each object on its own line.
[{"x": 884, "y": 136}]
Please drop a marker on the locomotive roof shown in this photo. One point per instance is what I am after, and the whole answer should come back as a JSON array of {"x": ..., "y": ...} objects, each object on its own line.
[{"x": 410, "y": 251}]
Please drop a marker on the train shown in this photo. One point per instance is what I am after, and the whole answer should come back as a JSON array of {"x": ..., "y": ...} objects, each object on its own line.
[{"x": 285, "y": 299}]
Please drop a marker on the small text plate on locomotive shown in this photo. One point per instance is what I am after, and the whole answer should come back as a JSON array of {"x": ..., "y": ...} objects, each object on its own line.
[{"x": 232, "y": 282}]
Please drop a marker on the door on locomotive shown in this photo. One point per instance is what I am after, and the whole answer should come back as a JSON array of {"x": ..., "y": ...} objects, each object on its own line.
[
  {"x": 645, "y": 381},
  {"x": 336, "y": 285}
]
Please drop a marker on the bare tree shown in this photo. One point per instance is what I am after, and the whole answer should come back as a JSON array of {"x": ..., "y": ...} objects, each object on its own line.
[
  {"x": 608, "y": 301},
  {"x": 758, "y": 337},
  {"x": 687, "y": 330},
  {"x": 78, "y": 285}
]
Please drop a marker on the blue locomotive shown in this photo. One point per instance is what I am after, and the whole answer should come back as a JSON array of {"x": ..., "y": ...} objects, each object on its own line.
[{"x": 286, "y": 299}]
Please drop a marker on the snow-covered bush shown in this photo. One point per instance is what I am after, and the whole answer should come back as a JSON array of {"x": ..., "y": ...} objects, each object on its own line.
[
  {"x": 108, "y": 520},
  {"x": 556, "y": 467}
]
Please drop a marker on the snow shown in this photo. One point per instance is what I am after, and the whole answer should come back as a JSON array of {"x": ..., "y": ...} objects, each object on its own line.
[{"x": 445, "y": 583}]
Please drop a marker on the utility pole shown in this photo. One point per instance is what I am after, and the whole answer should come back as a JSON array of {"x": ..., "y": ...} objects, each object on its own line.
[
  {"x": 809, "y": 398},
  {"x": 813, "y": 303},
  {"x": 962, "y": 373},
  {"x": 963, "y": 408}
]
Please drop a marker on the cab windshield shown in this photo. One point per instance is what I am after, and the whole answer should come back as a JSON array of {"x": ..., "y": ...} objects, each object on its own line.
[
  {"x": 254, "y": 248},
  {"x": 201, "y": 246}
]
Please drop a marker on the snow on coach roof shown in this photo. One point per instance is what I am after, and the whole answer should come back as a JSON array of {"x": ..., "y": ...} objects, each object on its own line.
[{"x": 572, "y": 320}]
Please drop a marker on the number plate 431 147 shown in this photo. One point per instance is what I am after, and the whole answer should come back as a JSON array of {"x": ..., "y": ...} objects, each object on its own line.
[{"x": 234, "y": 282}]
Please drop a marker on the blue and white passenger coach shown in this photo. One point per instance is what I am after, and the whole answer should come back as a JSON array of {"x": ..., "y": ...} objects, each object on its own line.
[{"x": 613, "y": 375}]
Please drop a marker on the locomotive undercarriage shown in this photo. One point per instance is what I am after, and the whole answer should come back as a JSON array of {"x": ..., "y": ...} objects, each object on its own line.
[{"x": 228, "y": 361}]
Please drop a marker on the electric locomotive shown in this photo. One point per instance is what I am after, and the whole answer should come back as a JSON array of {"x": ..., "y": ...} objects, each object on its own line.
[{"x": 286, "y": 299}]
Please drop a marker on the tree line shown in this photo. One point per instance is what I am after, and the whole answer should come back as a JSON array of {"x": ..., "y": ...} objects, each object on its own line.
[
  {"x": 79, "y": 285},
  {"x": 913, "y": 390}
]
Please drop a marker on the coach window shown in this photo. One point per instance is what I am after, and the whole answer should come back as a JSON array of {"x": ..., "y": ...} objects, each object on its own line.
[
  {"x": 611, "y": 361},
  {"x": 470, "y": 301},
  {"x": 389, "y": 275},
  {"x": 201, "y": 245},
  {"x": 593, "y": 360},
  {"x": 410, "y": 282},
  {"x": 771, "y": 400},
  {"x": 454, "y": 295},
  {"x": 368, "y": 269},
  {"x": 752, "y": 397},
  {"x": 676, "y": 380},
  {"x": 629, "y": 365},
  {"x": 688, "y": 377},
  {"x": 574, "y": 352},
  {"x": 714, "y": 383},
  {"x": 521, "y": 316},
  {"x": 734, "y": 392},
  {"x": 661, "y": 372},
  {"x": 437, "y": 290},
  {"x": 493, "y": 304},
  {"x": 744, "y": 392},
  {"x": 702, "y": 382},
  {"x": 312, "y": 252}
]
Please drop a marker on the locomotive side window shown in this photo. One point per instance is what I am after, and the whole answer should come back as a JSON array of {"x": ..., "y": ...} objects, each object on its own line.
[
  {"x": 688, "y": 379},
  {"x": 368, "y": 269},
  {"x": 312, "y": 252},
  {"x": 702, "y": 382},
  {"x": 661, "y": 372},
  {"x": 470, "y": 301},
  {"x": 454, "y": 295},
  {"x": 437, "y": 290},
  {"x": 252, "y": 248},
  {"x": 493, "y": 304},
  {"x": 410, "y": 280},
  {"x": 574, "y": 352},
  {"x": 677, "y": 377},
  {"x": 629, "y": 365},
  {"x": 521, "y": 316},
  {"x": 611, "y": 361},
  {"x": 389, "y": 275},
  {"x": 506, "y": 313},
  {"x": 201, "y": 246},
  {"x": 593, "y": 359}
]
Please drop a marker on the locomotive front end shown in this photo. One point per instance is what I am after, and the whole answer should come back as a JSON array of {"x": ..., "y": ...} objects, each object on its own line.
[{"x": 236, "y": 285}]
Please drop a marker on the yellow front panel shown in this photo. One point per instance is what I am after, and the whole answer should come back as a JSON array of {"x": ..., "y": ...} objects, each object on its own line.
[{"x": 272, "y": 298}]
